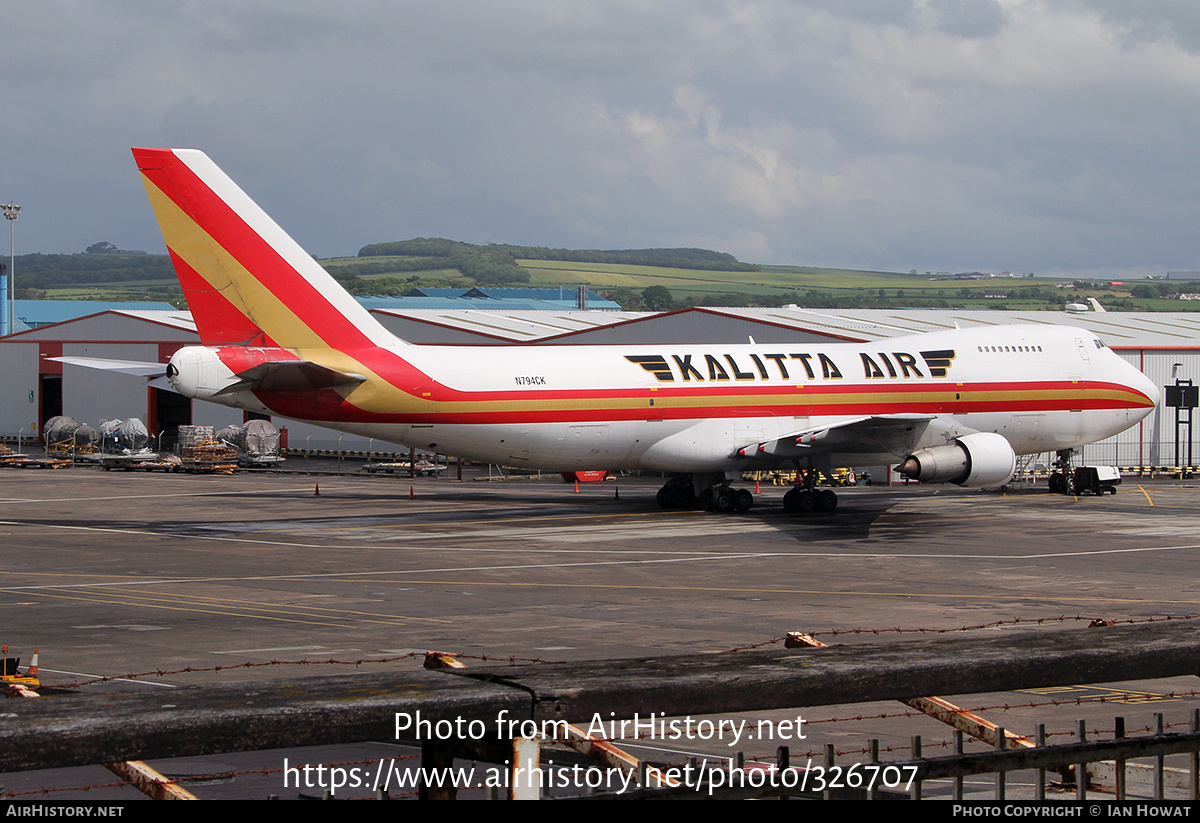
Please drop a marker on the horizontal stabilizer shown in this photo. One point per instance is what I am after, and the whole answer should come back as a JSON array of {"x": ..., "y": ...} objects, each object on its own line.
[
  {"x": 134, "y": 367},
  {"x": 291, "y": 375}
]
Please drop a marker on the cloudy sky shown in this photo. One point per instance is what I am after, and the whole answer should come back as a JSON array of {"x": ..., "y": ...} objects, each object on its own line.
[{"x": 1052, "y": 137}]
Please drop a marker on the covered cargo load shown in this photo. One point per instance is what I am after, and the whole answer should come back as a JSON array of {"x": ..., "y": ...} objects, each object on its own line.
[{"x": 124, "y": 436}]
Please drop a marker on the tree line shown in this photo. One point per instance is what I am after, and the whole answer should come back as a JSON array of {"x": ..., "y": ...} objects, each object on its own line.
[
  {"x": 683, "y": 258},
  {"x": 42, "y": 271}
]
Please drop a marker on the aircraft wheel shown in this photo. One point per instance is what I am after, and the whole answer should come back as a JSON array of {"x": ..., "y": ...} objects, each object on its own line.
[
  {"x": 722, "y": 501},
  {"x": 790, "y": 500},
  {"x": 827, "y": 501},
  {"x": 806, "y": 502},
  {"x": 743, "y": 499}
]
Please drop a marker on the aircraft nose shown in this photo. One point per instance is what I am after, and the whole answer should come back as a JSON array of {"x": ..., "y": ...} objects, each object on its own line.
[{"x": 1141, "y": 383}]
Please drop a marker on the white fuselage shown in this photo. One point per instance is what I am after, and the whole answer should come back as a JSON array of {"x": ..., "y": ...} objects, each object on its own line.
[{"x": 716, "y": 407}]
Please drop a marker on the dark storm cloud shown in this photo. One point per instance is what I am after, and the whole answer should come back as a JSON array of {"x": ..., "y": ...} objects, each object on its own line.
[{"x": 932, "y": 135}]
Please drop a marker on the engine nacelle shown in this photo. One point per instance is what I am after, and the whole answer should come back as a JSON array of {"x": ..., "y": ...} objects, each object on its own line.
[
  {"x": 196, "y": 371},
  {"x": 974, "y": 460}
]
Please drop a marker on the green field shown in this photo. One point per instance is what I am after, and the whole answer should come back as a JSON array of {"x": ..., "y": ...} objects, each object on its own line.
[
  {"x": 120, "y": 293},
  {"x": 769, "y": 285},
  {"x": 771, "y": 280}
]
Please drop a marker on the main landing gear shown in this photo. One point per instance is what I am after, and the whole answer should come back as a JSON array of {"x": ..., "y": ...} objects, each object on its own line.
[
  {"x": 677, "y": 493},
  {"x": 724, "y": 499},
  {"x": 807, "y": 498},
  {"x": 715, "y": 495},
  {"x": 685, "y": 491}
]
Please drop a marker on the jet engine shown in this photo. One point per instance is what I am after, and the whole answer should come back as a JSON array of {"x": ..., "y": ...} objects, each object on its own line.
[{"x": 974, "y": 460}]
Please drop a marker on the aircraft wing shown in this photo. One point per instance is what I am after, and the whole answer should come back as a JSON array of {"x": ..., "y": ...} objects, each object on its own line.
[{"x": 868, "y": 434}]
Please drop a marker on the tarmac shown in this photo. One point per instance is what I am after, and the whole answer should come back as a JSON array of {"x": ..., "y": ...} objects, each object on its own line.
[{"x": 273, "y": 575}]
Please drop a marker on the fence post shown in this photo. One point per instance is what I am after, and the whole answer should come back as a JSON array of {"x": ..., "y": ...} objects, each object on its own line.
[
  {"x": 829, "y": 754},
  {"x": 1119, "y": 734},
  {"x": 1194, "y": 757},
  {"x": 1000, "y": 775},
  {"x": 1158, "y": 761},
  {"x": 958, "y": 781},
  {"x": 1081, "y": 777},
  {"x": 1040, "y": 738},
  {"x": 525, "y": 782},
  {"x": 873, "y": 750},
  {"x": 915, "y": 792}
]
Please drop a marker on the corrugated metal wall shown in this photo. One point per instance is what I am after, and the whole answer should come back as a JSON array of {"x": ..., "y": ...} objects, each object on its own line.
[
  {"x": 1153, "y": 441},
  {"x": 90, "y": 395},
  {"x": 19, "y": 377}
]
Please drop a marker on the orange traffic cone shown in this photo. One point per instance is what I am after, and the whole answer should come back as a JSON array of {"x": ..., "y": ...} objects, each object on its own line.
[
  {"x": 317, "y": 491},
  {"x": 411, "y": 493},
  {"x": 577, "y": 487},
  {"x": 32, "y": 670}
]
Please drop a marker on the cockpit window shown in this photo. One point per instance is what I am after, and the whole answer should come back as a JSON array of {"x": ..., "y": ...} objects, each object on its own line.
[{"x": 1100, "y": 344}]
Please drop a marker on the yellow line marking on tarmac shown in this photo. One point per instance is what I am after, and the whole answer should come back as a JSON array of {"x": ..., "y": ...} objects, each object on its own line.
[
  {"x": 259, "y": 606},
  {"x": 536, "y": 518},
  {"x": 1111, "y": 695},
  {"x": 738, "y": 590},
  {"x": 115, "y": 602},
  {"x": 366, "y": 574},
  {"x": 1147, "y": 494},
  {"x": 247, "y": 613},
  {"x": 236, "y": 538},
  {"x": 226, "y": 493},
  {"x": 141, "y": 578},
  {"x": 374, "y": 575}
]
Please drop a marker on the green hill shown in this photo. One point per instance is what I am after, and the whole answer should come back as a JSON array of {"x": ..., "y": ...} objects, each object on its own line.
[{"x": 688, "y": 276}]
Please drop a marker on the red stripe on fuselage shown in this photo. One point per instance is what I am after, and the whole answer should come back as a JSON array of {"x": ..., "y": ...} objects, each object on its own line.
[
  {"x": 330, "y": 406},
  {"x": 749, "y": 389}
]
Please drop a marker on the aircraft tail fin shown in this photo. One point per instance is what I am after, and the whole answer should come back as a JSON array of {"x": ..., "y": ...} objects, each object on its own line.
[{"x": 246, "y": 281}]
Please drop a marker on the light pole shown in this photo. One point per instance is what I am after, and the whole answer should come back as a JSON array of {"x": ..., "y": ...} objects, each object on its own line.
[{"x": 10, "y": 214}]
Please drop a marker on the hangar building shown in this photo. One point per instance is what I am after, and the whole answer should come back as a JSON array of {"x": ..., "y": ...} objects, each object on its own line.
[{"x": 1164, "y": 345}]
